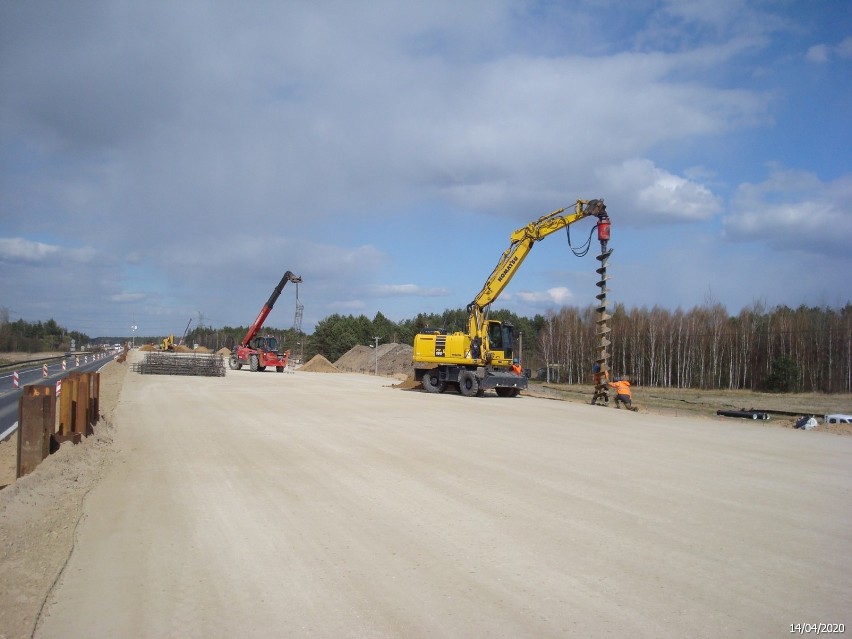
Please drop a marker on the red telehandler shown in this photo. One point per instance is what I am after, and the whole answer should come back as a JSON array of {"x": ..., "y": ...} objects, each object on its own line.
[{"x": 260, "y": 352}]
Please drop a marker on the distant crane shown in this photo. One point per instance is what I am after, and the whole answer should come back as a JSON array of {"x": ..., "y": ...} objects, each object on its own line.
[{"x": 180, "y": 343}]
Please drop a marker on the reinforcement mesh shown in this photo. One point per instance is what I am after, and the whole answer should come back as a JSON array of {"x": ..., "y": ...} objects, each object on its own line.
[{"x": 163, "y": 363}]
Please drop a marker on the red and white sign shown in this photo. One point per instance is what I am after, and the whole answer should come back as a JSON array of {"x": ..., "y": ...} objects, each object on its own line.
[
  {"x": 58, "y": 387},
  {"x": 63, "y": 365},
  {"x": 44, "y": 371},
  {"x": 15, "y": 381}
]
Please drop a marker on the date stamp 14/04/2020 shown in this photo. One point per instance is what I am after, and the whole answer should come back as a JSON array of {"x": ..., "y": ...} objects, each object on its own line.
[{"x": 817, "y": 628}]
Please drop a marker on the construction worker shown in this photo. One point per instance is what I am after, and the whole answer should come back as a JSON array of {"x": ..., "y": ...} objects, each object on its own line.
[
  {"x": 516, "y": 368},
  {"x": 622, "y": 393},
  {"x": 601, "y": 380}
]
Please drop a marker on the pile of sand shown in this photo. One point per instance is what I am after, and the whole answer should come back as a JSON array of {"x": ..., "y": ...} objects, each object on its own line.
[
  {"x": 409, "y": 383},
  {"x": 392, "y": 359},
  {"x": 319, "y": 364},
  {"x": 147, "y": 347},
  {"x": 224, "y": 352}
]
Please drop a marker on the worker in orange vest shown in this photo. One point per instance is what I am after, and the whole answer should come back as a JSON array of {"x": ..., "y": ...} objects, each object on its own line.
[
  {"x": 622, "y": 393},
  {"x": 516, "y": 367}
]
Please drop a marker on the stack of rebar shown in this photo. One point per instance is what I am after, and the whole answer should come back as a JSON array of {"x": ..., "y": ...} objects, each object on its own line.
[{"x": 168, "y": 363}]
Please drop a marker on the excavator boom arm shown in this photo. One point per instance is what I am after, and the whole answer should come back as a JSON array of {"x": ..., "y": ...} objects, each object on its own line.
[{"x": 521, "y": 243}]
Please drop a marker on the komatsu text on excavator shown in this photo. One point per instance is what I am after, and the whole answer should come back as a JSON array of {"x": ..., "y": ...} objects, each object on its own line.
[{"x": 481, "y": 358}]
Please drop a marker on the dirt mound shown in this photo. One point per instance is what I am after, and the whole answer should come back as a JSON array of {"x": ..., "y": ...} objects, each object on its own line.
[
  {"x": 146, "y": 347},
  {"x": 182, "y": 349},
  {"x": 224, "y": 352},
  {"x": 408, "y": 383},
  {"x": 392, "y": 359},
  {"x": 202, "y": 349},
  {"x": 319, "y": 364}
]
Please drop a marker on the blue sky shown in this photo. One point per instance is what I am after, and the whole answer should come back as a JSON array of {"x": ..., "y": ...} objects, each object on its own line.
[{"x": 162, "y": 161}]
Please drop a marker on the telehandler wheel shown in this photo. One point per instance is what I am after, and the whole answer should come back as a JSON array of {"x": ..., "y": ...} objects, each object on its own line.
[
  {"x": 468, "y": 384},
  {"x": 234, "y": 363},
  {"x": 279, "y": 369},
  {"x": 261, "y": 368},
  {"x": 432, "y": 384},
  {"x": 253, "y": 363}
]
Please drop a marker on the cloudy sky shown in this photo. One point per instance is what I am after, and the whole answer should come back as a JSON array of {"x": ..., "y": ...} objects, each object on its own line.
[{"x": 161, "y": 160}]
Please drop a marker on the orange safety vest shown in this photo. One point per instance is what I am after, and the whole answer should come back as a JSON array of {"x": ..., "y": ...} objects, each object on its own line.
[{"x": 621, "y": 388}]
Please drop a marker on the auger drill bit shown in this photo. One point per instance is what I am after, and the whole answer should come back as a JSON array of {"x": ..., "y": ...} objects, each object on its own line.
[{"x": 601, "y": 394}]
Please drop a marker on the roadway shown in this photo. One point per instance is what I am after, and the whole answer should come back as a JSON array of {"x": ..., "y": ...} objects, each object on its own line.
[
  {"x": 31, "y": 373},
  {"x": 332, "y": 505}
]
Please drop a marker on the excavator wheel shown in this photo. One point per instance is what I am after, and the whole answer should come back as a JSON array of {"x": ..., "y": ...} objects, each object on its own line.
[
  {"x": 432, "y": 384},
  {"x": 468, "y": 384},
  {"x": 505, "y": 392}
]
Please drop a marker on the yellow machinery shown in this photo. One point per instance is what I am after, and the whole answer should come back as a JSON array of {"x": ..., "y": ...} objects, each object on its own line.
[
  {"x": 169, "y": 343},
  {"x": 481, "y": 358}
]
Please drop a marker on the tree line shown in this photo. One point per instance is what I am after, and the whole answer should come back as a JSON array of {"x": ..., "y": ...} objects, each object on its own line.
[
  {"x": 807, "y": 349},
  {"x": 780, "y": 349},
  {"x": 36, "y": 337}
]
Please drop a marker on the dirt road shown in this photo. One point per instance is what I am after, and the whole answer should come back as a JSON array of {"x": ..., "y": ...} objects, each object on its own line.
[{"x": 316, "y": 505}]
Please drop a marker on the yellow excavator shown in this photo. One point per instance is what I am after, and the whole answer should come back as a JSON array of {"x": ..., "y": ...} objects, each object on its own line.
[
  {"x": 481, "y": 358},
  {"x": 168, "y": 343}
]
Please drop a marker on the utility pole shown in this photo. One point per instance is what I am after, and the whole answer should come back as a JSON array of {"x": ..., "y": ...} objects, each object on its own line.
[
  {"x": 520, "y": 348},
  {"x": 376, "y": 339}
]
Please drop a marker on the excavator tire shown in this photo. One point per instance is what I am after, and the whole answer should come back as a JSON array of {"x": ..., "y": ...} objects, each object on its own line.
[
  {"x": 432, "y": 384},
  {"x": 253, "y": 363},
  {"x": 507, "y": 392},
  {"x": 468, "y": 384}
]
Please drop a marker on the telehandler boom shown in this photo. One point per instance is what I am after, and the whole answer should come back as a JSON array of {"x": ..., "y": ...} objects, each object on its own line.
[{"x": 260, "y": 352}]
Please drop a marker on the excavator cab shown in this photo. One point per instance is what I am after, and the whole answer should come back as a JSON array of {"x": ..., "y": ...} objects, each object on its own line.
[{"x": 501, "y": 337}]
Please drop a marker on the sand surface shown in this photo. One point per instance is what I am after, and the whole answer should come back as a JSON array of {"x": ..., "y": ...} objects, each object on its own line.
[{"x": 318, "y": 505}]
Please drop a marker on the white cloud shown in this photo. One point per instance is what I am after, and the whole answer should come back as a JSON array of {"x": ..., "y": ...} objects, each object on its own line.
[
  {"x": 406, "y": 290},
  {"x": 22, "y": 251},
  {"x": 647, "y": 193},
  {"x": 823, "y": 53},
  {"x": 15, "y": 249},
  {"x": 558, "y": 296},
  {"x": 128, "y": 297},
  {"x": 818, "y": 53},
  {"x": 794, "y": 210}
]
